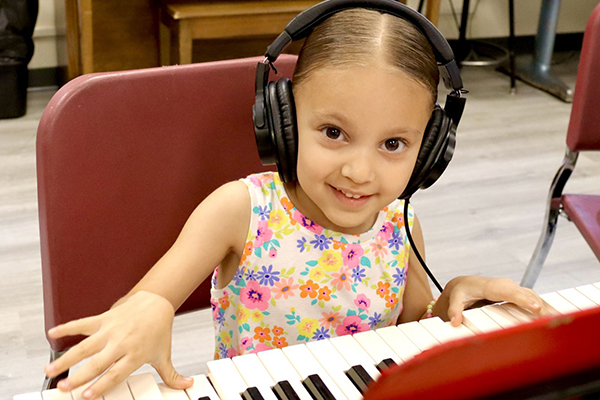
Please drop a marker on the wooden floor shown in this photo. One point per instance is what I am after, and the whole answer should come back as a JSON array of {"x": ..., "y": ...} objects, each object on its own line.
[{"x": 483, "y": 217}]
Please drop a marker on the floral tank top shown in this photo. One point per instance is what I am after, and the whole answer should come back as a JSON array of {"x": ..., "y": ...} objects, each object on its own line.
[{"x": 298, "y": 281}]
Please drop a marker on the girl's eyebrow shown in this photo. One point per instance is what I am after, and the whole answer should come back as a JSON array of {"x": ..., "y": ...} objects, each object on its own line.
[
  {"x": 332, "y": 115},
  {"x": 402, "y": 130}
]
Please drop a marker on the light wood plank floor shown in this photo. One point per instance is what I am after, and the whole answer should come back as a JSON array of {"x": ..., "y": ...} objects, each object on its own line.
[{"x": 483, "y": 217}]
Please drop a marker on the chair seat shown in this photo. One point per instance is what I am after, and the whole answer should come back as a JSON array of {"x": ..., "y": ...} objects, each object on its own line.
[{"x": 584, "y": 211}]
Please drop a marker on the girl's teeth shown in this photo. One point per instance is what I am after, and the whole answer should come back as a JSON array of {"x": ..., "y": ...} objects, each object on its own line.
[{"x": 352, "y": 196}]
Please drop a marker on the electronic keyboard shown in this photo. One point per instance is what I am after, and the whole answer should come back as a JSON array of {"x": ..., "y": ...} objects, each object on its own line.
[{"x": 373, "y": 364}]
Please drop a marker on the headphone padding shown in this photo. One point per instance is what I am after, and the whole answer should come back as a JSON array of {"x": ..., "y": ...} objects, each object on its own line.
[
  {"x": 433, "y": 139},
  {"x": 289, "y": 125}
]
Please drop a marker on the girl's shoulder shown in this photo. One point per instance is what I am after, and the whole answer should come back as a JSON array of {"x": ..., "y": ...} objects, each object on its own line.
[{"x": 267, "y": 180}]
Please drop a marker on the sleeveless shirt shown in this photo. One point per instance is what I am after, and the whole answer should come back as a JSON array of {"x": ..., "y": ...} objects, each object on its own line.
[{"x": 297, "y": 281}]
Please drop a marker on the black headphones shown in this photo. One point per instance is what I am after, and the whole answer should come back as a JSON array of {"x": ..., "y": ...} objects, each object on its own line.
[{"x": 274, "y": 110}]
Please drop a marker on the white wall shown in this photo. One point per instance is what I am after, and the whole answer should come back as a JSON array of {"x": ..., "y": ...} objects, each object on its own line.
[
  {"x": 45, "y": 37},
  {"x": 489, "y": 18}
]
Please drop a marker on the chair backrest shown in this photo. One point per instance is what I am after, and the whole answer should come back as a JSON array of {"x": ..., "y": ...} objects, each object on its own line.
[
  {"x": 584, "y": 124},
  {"x": 123, "y": 159}
]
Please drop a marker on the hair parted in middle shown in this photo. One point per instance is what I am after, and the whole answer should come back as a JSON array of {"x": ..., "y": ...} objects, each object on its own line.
[{"x": 361, "y": 37}]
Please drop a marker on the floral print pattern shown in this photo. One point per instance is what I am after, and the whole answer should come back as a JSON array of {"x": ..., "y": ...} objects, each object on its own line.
[{"x": 298, "y": 281}]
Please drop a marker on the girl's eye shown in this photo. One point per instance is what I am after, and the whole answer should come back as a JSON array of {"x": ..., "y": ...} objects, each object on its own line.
[
  {"x": 332, "y": 132},
  {"x": 394, "y": 145}
]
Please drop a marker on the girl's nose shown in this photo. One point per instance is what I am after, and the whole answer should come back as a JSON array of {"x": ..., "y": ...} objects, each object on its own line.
[{"x": 359, "y": 167}]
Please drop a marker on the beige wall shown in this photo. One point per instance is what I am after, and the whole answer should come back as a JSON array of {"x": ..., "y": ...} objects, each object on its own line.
[
  {"x": 45, "y": 37},
  {"x": 489, "y": 19}
]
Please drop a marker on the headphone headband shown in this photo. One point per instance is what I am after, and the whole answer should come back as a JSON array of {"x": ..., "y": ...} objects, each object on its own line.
[{"x": 303, "y": 24}]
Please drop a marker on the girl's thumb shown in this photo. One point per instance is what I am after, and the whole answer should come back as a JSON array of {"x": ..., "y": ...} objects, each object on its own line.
[
  {"x": 455, "y": 314},
  {"x": 171, "y": 378}
]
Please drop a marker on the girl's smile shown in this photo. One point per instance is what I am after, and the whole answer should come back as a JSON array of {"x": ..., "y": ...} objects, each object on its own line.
[
  {"x": 359, "y": 133},
  {"x": 350, "y": 198}
]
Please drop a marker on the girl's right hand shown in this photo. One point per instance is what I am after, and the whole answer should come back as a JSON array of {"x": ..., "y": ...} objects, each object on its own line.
[{"x": 122, "y": 339}]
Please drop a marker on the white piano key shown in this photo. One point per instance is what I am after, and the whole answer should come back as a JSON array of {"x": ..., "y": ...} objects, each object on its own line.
[
  {"x": 306, "y": 364},
  {"x": 577, "y": 299},
  {"x": 77, "y": 394},
  {"x": 144, "y": 387},
  {"x": 226, "y": 379},
  {"x": 377, "y": 348},
  {"x": 355, "y": 354},
  {"x": 398, "y": 342},
  {"x": 522, "y": 315},
  {"x": 172, "y": 394},
  {"x": 461, "y": 331},
  {"x": 56, "y": 394},
  {"x": 119, "y": 392},
  {"x": 444, "y": 332},
  {"x": 255, "y": 374},
  {"x": 597, "y": 284},
  {"x": 559, "y": 303},
  {"x": 477, "y": 321},
  {"x": 591, "y": 292},
  {"x": 28, "y": 396},
  {"x": 500, "y": 316},
  {"x": 418, "y": 335},
  {"x": 281, "y": 369},
  {"x": 201, "y": 388},
  {"x": 335, "y": 365}
]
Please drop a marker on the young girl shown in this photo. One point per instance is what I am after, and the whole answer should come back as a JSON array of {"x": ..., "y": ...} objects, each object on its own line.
[{"x": 322, "y": 256}]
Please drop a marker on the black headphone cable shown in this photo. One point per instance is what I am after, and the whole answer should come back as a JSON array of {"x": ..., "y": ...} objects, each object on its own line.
[{"x": 412, "y": 244}]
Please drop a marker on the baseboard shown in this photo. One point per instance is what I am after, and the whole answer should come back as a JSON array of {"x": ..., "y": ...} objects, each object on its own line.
[
  {"x": 52, "y": 77},
  {"x": 563, "y": 42}
]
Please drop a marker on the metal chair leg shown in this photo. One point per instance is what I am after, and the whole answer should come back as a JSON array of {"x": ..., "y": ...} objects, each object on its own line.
[
  {"x": 552, "y": 212},
  {"x": 50, "y": 383},
  {"x": 541, "y": 250}
]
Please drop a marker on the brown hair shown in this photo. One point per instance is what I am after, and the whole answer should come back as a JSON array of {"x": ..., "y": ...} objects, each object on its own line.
[{"x": 359, "y": 37}]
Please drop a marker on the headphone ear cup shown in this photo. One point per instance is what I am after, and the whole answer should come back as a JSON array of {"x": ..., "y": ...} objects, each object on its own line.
[
  {"x": 283, "y": 125},
  {"x": 434, "y": 154},
  {"x": 289, "y": 125}
]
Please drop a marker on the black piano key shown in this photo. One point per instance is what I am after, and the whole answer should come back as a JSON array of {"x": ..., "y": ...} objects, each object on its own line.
[
  {"x": 284, "y": 391},
  {"x": 360, "y": 377},
  {"x": 316, "y": 387},
  {"x": 204, "y": 398},
  {"x": 388, "y": 362},
  {"x": 252, "y": 394}
]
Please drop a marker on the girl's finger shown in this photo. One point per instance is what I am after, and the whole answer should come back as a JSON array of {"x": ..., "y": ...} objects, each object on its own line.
[
  {"x": 113, "y": 376},
  {"x": 82, "y": 350},
  {"x": 171, "y": 377},
  {"x": 83, "y": 326},
  {"x": 528, "y": 300},
  {"x": 92, "y": 369},
  {"x": 455, "y": 313},
  {"x": 456, "y": 305}
]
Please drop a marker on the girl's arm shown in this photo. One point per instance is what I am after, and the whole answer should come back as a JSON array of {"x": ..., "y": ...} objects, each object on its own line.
[
  {"x": 218, "y": 226},
  {"x": 137, "y": 329},
  {"x": 417, "y": 293}
]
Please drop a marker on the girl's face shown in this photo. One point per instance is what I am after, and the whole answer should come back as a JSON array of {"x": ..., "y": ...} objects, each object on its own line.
[{"x": 359, "y": 133}]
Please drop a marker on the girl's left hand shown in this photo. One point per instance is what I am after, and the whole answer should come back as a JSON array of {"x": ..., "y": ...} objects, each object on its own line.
[{"x": 464, "y": 291}]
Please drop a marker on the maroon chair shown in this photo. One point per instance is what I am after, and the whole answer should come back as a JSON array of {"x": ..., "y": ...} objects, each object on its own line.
[
  {"x": 583, "y": 135},
  {"x": 123, "y": 159}
]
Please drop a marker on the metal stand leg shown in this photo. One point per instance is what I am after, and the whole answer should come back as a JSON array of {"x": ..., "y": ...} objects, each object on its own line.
[
  {"x": 537, "y": 72},
  {"x": 50, "y": 383},
  {"x": 476, "y": 53},
  {"x": 511, "y": 46},
  {"x": 552, "y": 212}
]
